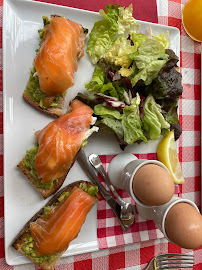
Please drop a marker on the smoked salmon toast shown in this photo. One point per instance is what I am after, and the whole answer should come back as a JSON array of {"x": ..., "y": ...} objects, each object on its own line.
[
  {"x": 47, "y": 235},
  {"x": 49, "y": 161},
  {"x": 61, "y": 46}
]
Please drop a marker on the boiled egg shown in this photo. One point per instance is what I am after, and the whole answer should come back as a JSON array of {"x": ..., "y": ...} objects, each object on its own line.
[
  {"x": 183, "y": 226},
  {"x": 153, "y": 185}
]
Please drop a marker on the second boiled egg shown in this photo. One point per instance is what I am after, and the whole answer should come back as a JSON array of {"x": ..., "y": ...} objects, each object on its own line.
[{"x": 183, "y": 225}]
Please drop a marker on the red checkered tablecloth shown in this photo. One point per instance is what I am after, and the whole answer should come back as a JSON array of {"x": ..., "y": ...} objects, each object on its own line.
[{"x": 136, "y": 256}]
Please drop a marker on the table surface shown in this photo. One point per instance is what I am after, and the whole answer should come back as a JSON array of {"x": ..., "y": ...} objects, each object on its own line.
[{"x": 136, "y": 256}]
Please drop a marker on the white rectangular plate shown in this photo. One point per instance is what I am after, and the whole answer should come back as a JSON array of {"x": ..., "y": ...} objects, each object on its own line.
[{"x": 21, "y": 21}]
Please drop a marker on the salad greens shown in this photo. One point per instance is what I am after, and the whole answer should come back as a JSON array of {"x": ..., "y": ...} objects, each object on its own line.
[
  {"x": 117, "y": 20},
  {"x": 126, "y": 125},
  {"x": 131, "y": 122},
  {"x": 135, "y": 86},
  {"x": 103, "y": 111},
  {"x": 153, "y": 120},
  {"x": 167, "y": 85},
  {"x": 103, "y": 33}
]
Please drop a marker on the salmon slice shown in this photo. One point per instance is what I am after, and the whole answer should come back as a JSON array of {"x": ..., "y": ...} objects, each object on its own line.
[
  {"x": 60, "y": 141},
  {"x": 57, "y": 59},
  {"x": 54, "y": 232}
]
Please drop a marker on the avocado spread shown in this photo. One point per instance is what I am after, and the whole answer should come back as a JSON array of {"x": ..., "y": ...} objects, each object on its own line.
[
  {"x": 46, "y": 210},
  {"x": 62, "y": 196},
  {"x": 84, "y": 143},
  {"x": 46, "y": 20},
  {"x": 29, "y": 250},
  {"x": 29, "y": 163},
  {"x": 33, "y": 88},
  {"x": 91, "y": 190}
]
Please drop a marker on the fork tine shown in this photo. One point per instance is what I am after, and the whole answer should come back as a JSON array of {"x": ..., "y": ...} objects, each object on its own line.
[
  {"x": 175, "y": 255},
  {"x": 180, "y": 265},
  {"x": 174, "y": 262},
  {"x": 176, "y": 259},
  {"x": 176, "y": 267}
]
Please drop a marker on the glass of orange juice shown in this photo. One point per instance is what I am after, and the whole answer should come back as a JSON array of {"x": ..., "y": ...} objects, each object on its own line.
[{"x": 192, "y": 19}]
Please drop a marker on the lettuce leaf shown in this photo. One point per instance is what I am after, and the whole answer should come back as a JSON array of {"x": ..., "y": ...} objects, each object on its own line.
[
  {"x": 131, "y": 122},
  {"x": 153, "y": 120},
  {"x": 117, "y": 20},
  {"x": 139, "y": 38},
  {"x": 100, "y": 84},
  {"x": 171, "y": 116},
  {"x": 118, "y": 54},
  {"x": 168, "y": 84},
  {"x": 89, "y": 98},
  {"x": 107, "y": 112},
  {"x": 103, "y": 33},
  {"x": 108, "y": 89},
  {"x": 141, "y": 61},
  {"x": 148, "y": 61},
  {"x": 152, "y": 48},
  {"x": 148, "y": 73},
  {"x": 115, "y": 125},
  {"x": 120, "y": 88},
  {"x": 126, "y": 23},
  {"x": 125, "y": 72},
  {"x": 111, "y": 12},
  {"x": 164, "y": 57},
  {"x": 163, "y": 39},
  {"x": 97, "y": 80},
  {"x": 126, "y": 126}
]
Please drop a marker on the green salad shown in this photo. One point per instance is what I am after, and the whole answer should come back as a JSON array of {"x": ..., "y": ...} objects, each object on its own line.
[{"x": 135, "y": 86}]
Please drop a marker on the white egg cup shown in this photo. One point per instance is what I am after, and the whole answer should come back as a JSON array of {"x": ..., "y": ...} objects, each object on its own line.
[
  {"x": 159, "y": 213},
  {"x": 122, "y": 170}
]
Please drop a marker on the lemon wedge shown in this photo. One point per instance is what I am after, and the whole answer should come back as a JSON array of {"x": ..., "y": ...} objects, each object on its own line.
[{"x": 167, "y": 154}]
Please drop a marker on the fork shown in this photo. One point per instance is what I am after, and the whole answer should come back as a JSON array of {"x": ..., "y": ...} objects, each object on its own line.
[{"x": 171, "y": 261}]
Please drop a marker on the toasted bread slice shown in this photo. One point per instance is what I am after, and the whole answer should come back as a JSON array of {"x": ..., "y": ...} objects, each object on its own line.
[
  {"x": 50, "y": 144},
  {"x": 18, "y": 241},
  {"x": 54, "y": 111},
  {"x": 44, "y": 192}
]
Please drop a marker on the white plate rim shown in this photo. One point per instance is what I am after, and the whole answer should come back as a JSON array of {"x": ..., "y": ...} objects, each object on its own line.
[{"x": 4, "y": 58}]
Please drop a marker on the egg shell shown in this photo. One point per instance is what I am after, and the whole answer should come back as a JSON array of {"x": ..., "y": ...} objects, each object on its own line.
[
  {"x": 183, "y": 226},
  {"x": 153, "y": 185}
]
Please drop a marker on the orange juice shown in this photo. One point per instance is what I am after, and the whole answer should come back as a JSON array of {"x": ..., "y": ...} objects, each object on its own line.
[{"x": 192, "y": 19}]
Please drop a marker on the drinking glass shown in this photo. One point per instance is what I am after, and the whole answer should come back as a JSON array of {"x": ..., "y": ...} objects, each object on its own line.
[{"x": 192, "y": 19}]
